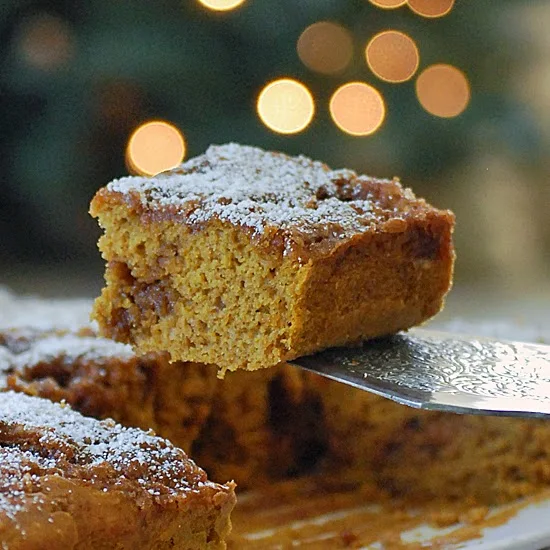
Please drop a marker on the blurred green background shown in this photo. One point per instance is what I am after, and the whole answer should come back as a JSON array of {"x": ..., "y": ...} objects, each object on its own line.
[{"x": 78, "y": 78}]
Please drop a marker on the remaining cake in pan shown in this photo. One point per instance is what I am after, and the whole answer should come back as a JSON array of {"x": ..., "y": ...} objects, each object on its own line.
[
  {"x": 67, "y": 481},
  {"x": 244, "y": 258},
  {"x": 104, "y": 379},
  {"x": 229, "y": 426},
  {"x": 424, "y": 455},
  {"x": 263, "y": 426}
]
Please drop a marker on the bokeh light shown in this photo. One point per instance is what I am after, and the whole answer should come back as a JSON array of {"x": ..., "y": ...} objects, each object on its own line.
[
  {"x": 388, "y": 4},
  {"x": 357, "y": 109},
  {"x": 325, "y": 47},
  {"x": 431, "y": 8},
  {"x": 392, "y": 56},
  {"x": 45, "y": 42},
  {"x": 443, "y": 90},
  {"x": 154, "y": 147},
  {"x": 286, "y": 106},
  {"x": 221, "y": 5}
]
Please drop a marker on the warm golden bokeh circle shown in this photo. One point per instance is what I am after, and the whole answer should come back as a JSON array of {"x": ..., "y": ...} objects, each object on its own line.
[
  {"x": 325, "y": 47},
  {"x": 388, "y": 4},
  {"x": 443, "y": 90},
  {"x": 285, "y": 106},
  {"x": 431, "y": 8},
  {"x": 357, "y": 109},
  {"x": 154, "y": 147},
  {"x": 392, "y": 56},
  {"x": 221, "y": 5}
]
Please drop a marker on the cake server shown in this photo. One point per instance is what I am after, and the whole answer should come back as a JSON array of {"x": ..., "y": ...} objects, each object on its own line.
[{"x": 441, "y": 371}]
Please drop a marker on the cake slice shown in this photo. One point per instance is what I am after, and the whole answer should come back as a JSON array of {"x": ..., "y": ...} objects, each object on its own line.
[
  {"x": 67, "y": 481},
  {"x": 245, "y": 258}
]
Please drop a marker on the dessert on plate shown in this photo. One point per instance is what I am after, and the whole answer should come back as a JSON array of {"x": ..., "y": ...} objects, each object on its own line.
[
  {"x": 244, "y": 258},
  {"x": 67, "y": 481}
]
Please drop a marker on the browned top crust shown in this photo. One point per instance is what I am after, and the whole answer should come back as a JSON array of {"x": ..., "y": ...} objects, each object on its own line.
[
  {"x": 39, "y": 438},
  {"x": 294, "y": 202}
]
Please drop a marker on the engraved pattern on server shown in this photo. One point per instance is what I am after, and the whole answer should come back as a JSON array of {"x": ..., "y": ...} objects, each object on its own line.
[
  {"x": 487, "y": 369},
  {"x": 440, "y": 371}
]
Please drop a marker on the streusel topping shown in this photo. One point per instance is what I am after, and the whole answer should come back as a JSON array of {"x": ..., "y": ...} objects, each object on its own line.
[
  {"x": 41, "y": 438},
  {"x": 253, "y": 188},
  {"x": 24, "y": 348}
]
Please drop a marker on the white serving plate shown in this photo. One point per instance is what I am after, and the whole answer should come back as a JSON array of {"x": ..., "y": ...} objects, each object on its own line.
[{"x": 529, "y": 529}]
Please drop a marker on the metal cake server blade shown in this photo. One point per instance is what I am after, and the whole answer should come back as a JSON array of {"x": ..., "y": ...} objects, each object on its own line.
[{"x": 447, "y": 372}]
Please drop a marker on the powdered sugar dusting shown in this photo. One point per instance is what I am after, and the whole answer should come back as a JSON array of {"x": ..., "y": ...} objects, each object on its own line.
[
  {"x": 52, "y": 438},
  {"x": 16, "y": 470},
  {"x": 254, "y": 188},
  {"x": 25, "y": 348},
  {"x": 70, "y": 347}
]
